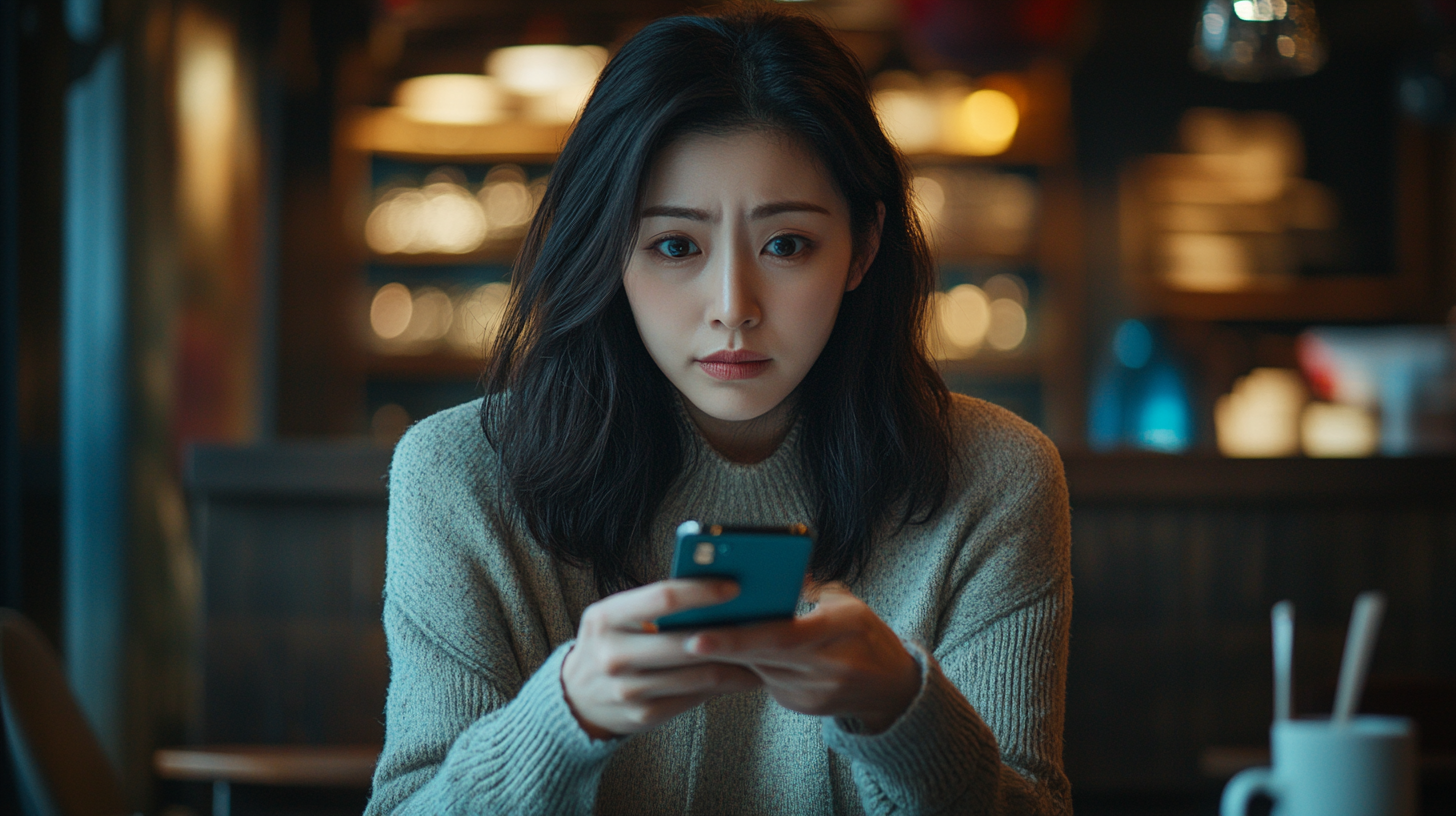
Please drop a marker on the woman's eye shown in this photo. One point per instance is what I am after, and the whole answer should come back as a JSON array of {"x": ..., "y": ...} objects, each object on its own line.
[
  {"x": 677, "y": 247},
  {"x": 785, "y": 246}
]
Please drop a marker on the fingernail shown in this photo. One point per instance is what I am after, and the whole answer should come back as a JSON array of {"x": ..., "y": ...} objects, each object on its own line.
[{"x": 694, "y": 644}]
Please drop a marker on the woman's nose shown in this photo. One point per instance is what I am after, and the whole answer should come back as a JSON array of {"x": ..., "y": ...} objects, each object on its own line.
[{"x": 734, "y": 303}]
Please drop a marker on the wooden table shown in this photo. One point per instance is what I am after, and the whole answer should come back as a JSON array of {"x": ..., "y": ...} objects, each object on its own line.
[{"x": 321, "y": 766}]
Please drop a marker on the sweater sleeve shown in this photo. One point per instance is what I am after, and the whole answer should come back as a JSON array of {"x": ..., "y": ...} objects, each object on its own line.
[
  {"x": 476, "y": 720},
  {"x": 456, "y": 743},
  {"x": 984, "y": 734}
]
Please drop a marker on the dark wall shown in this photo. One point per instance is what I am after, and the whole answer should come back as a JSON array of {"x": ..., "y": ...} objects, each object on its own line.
[{"x": 42, "y": 57}]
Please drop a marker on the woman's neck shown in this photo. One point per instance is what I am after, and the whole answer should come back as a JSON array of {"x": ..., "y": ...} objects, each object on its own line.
[{"x": 744, "y": 441}]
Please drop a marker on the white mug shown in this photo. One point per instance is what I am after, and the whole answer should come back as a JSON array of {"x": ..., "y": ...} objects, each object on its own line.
[{"x": 1366, "y": 767}]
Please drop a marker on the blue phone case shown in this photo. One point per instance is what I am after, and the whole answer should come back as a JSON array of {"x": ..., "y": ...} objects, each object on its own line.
[{"x": 767, "y": 562}]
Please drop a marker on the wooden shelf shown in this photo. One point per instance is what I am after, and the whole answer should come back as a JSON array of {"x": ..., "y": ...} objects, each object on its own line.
[
  {"x": 1302, "y": 301},
  {"x": 501, "y": 252},
  {"x": 386, "y": 132}
]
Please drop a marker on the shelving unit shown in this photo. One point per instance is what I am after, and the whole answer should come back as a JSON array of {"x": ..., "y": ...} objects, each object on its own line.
[
  {"x": 1414, "y": 288},
  {"x": 1032, "y": 379},
  {"x": 494, "y": 252},
  {"x": 1307, "y": 300}
]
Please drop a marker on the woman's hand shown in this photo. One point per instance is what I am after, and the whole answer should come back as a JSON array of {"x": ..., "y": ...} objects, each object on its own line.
[
  {"x": 622, "y": 677},
  {"x": 839, "y": 660}
]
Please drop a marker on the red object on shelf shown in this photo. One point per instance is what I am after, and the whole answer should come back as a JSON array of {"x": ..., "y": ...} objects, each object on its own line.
[{"x": 1317, "y": 365}]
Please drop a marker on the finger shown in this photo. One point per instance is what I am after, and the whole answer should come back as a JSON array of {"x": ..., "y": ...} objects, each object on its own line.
[
  {"x": 629, "y": 609},
  {"x": 630, "y": 652},
  {"x": 772, "y": 640},
  {"x": 665, "y": 708},
  {"x": 704, "y": 680}
]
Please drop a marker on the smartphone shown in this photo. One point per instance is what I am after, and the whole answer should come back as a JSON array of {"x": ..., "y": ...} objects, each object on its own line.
[{"x": 768, "y": 563}]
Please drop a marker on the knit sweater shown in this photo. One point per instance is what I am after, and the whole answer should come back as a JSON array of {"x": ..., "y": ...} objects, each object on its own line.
[{"x": 478, "y": 618}]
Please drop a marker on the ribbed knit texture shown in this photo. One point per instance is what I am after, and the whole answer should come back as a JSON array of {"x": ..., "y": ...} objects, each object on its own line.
[{"x": 478, "y": 619}]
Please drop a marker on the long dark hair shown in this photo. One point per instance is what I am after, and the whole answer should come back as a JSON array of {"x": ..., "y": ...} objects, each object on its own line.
[{"x": 580, "y": 415}]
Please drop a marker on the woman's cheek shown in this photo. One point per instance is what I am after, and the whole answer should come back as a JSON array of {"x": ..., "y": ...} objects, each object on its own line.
[
  {"x": 663, "y": 315},
  {"x": 813, "y": 311}
]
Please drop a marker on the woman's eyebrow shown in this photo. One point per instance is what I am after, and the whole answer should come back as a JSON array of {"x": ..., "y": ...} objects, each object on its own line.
[
  {"x": 781, "y": 207},
  {"x": 665, "y": 211}
]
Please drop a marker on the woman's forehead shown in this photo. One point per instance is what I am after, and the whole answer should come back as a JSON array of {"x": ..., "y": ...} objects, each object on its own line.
[{"x": 741, "y": 169}]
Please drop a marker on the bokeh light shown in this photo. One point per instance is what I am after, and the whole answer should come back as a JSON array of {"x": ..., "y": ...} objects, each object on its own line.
[
  {"x": 1132, "y": 344},
  {"x": 963, "y": 316},
  {"x": 1008, "y": 325},
  {"x": 460, "y": 99},
  {"x": 1329, "y": 429},
  {"x": 432, "y": 315},
  {"x": 984, "y": 123},
  {"x": 428, "y": 318},
  {"x": 390, "y": 311},
  {"x": 1260, "y": 417},
  {"x": 444, "y": 217},
  {"x": 505, "y": 200},
  {"x": 929, "y": 199},
  {"x": 477, "y": 316},
  {"x": 909, "y": 117},
  {"x": 554, "y": 79},
  {"x": 1008, "y": 286}
]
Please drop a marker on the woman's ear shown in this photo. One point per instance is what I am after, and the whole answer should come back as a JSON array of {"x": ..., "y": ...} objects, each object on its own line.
[{"x": 871, "y": 248}]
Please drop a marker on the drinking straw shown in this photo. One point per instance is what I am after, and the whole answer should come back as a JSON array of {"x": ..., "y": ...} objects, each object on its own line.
[
  {"x": 1359, "y": 645},
  {"x": 1283, "y": 621}
]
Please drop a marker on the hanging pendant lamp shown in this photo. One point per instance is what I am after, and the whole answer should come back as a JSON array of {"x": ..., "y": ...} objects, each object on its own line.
[{"x": 1258, "y": 40}]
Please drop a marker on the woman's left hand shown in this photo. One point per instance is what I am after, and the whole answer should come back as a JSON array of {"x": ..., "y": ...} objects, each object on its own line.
[{"x": 839, "y": 660}]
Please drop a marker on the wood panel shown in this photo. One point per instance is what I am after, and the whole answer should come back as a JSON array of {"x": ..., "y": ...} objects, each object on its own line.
[{"x": 1170, "y": 634}]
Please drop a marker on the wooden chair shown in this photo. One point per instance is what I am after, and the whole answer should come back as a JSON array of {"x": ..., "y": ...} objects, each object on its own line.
[{"x": 59, "y": 764}]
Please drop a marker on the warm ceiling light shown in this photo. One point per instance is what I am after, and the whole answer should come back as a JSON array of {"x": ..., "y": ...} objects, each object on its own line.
[
  {"x": 539, "y": 70},
  {"x": 458, "y": 99}
]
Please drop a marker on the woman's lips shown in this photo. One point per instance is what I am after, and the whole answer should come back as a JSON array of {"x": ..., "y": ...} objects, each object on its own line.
[{"x": 734, "y": 365}]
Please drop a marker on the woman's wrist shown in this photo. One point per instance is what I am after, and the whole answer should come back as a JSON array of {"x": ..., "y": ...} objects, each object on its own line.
[
  {"x": 898, "y": 693},
  {"x": 592, "y": 730}
]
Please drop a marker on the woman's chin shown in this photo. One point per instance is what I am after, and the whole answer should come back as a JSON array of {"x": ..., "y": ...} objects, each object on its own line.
[{"x": 743, "y": 406}]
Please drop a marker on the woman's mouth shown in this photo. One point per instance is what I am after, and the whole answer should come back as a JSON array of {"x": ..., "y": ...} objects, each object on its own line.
[{"x": 734, "y": 365}]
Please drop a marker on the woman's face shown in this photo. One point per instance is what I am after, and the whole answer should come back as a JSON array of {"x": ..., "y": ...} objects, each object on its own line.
[{"x": 742, "y": 256}]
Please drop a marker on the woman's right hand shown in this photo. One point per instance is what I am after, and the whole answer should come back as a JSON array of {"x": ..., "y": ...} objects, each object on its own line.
[{"x": 622, "y": 676}]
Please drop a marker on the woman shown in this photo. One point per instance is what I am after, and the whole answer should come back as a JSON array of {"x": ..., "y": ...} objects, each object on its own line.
[{"x": 718, "y": 315}]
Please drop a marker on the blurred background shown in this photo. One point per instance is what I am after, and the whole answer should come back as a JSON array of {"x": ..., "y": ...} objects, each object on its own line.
[{"x": 1205, "y": 245}]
